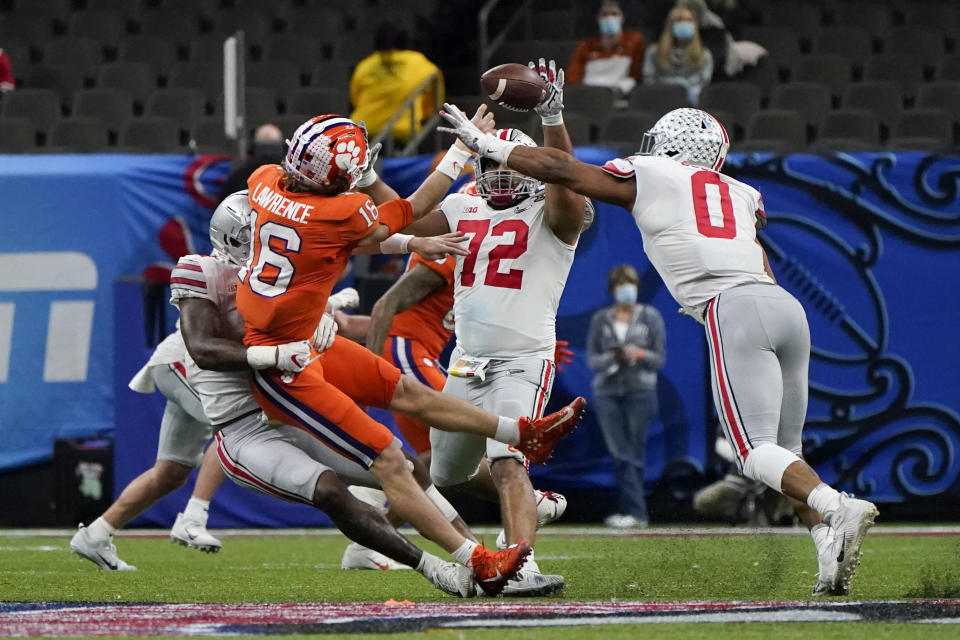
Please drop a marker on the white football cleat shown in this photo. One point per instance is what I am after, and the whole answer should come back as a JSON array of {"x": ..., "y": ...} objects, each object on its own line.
[
  {"x": 530, "y": 583},
  {"x": 357, "y": 556},
  {"x": 827, "y": 561},
  {"x": 550, "y": 506},
  {"x": 850, "y": 523},
  {"x": 102, "y": 553},
  {"x": 193, "y": 534},
  {"x": 454, "y": 579},
  {"x": 625, "y": 521}
]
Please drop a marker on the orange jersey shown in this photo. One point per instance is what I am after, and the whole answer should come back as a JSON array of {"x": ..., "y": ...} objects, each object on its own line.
[
  {"x": 430, "y": 321},
  {"x": 301, "y": 243}
]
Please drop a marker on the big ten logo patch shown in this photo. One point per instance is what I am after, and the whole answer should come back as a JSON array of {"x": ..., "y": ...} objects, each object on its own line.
[{"x": 29, "y": 278}]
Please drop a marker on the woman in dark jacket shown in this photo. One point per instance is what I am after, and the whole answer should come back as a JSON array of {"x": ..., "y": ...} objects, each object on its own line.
[{"x": 625, "y": 349}]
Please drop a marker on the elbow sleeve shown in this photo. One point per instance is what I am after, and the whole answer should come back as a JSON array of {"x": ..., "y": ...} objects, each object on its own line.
[{"x": 396, "y": 214}]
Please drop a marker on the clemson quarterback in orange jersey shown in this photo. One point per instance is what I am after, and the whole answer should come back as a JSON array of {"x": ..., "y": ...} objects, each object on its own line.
[{"x": 306, "y": 221}]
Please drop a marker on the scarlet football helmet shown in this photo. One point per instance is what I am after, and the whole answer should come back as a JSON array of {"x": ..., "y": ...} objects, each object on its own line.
[
  {"x": 230, "y": 229},
  {"x": 688, "y": 135},
  {"x": 503, "y": 187},
  {"x": 324, "y": 148}
]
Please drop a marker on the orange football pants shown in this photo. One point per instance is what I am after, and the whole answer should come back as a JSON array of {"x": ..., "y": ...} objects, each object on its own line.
[{"x": 410, "y": 357}]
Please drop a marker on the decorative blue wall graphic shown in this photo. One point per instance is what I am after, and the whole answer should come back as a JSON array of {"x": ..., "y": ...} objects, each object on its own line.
[{"x": 866, "y": 241}]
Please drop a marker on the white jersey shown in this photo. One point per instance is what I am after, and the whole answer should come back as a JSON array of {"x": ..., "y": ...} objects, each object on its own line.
[
  {"x": 225, "y": 395},
  {"x": 507, "y": 290},
  {"x": 699, "y": 227},
  {"x": 169, "y": 351}
]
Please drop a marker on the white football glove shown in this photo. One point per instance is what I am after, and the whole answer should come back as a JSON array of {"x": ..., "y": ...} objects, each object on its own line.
[
  {"x": 487, "y": 145},
  {"x": 293, "y": 356},
  {"x": 325, "y": 333},
  {"x": 368, "y": 174},
  {"x": 347, "y": 298},
  {"x": 551, "y": 109}
]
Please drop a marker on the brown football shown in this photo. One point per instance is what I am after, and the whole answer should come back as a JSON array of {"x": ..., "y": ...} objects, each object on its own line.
[{"x": 514, "y": 86}]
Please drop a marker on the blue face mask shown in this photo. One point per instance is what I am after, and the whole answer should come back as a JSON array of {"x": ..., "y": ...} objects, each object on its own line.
[
  {"x": 625, "y": 293},
  {"x": 683, "y": 29},
  {"x": 609, "y": 25}
]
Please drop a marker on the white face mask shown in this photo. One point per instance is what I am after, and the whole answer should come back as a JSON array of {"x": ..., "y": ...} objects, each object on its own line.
[
  {"x": 625, "y": 293},
  {"x": 610, "y": 25}
]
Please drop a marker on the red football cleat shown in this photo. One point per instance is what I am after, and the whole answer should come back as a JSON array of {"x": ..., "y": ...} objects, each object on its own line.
[
  {"x": 493, "y": 569},
  {"x": 539, "y": 437}
]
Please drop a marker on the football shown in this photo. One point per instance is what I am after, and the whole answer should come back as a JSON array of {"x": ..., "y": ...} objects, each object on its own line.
[{"x": 514, "y": 86}]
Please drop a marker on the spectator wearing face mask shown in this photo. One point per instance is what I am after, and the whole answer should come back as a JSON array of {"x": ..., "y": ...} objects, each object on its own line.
[
  {"x": 626, "y": 347},
  {"x": 612, "y": 59},
  {"x": 679, "y": 56}
]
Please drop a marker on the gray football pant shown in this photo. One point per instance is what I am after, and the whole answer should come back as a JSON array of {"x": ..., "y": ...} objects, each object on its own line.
[
  {"x": 184, "y": 430},
  {"x": 759, "y": 343}
]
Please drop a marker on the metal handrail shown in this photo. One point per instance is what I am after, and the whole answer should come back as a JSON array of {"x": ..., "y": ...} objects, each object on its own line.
[{"x": 386, "y": 133}]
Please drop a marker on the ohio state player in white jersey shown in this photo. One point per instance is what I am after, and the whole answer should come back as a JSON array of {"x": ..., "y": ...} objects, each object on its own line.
[
  {"x": 523, "y": 236},
  {"x": 699, "y": 231}
]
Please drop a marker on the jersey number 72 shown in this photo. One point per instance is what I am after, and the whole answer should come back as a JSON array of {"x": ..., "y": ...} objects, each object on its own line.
[{"x": 512, "y": 279}]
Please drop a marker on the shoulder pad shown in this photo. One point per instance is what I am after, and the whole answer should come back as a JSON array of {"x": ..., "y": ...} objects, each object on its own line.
[{"x": 620, "y": 167}]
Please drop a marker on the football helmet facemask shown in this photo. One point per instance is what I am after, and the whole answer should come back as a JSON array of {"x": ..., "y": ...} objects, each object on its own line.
[
  {"x": 690, "y": 136},
  {"x": 230, "y": 229},
  {"x": 324, "y": 148},
  {"x": 502, "y": 187}
]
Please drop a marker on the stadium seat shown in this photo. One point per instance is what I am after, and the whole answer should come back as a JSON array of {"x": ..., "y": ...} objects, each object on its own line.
[
  {"x": 208, "y": 137},
  {"x": 16, "y": 135},
  {"x": 105, "y": 27},
  {"x": 206, "y": 76},
  {"x": 941, "y": 95},
  {"x": 803, "y": 19},
  {"x": 882, "y": 98},
  {"x": 78, "y": 51},
  {"x": 125, "y": 8},
  {"x": 625, "y": 130},
  {"x": 270, "y": 7},
  {"x": 158, "y": 135},
  {"x": 40, "y": 106},
  {"x": 176, "y": 25},
  {"x": 56, "y": 9},
  {"x": 764, "y": 75},
  {"x": 134, "y": 77},
  {"x": 851, "y": 42},
  {"x": 84, "y": 135},
  {"x": 204, "y": 9},
  {"x": 64, "y": 79},
  {"x": 810, "y": 100},
  {"x": 849, "y": 129},
  {"x": 942, "y": 15},
  {"x": 289, "y": 122},
  {"x": 830, "y": 69},
  {"x": 261, "y": 106},
  {"x": 739, "y": 99},
  {"x": 159, "y": 53},
  {"x": 775, "y": 130},
  {"x": 301, "y": 50},
  {"x": 658, "y": 98},
  {"x": 923, "y": 129},
  {"x": 32, "y": 27},
  {"x": 283, "y": 77},
  {"x": 18, "y": 51},
  {"x": 321, "y": 23},
  {"x": 255, "y": 24},
  {"x": 112, "y": 106},
  {"x": 782, "y": 43},
  {"x": 553, "y": 25},
  {"x": 335, "y": 75},
  {"x": 595, "y": 103},
  {"x": 318, "y": 101},
  {"x": 183, "y": 105},
  {"x": 905, "y": 71},
  {"x": 873, "y": 16},
  {"x": 927, "y": 43}
]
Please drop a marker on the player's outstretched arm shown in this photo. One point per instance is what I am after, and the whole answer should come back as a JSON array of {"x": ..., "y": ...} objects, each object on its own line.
[
  {"x": 549, "y": 165},
  {"x": 200, "y": 327},
  {"x": 411, "y": 288},
  {"x": 564, "y": 208}
]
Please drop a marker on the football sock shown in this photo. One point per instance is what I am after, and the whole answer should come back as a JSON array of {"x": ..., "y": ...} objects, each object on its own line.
[
  {"x": 464, "y": 551},
  {"x": 825, "y": 500},
  {"x": 508, "y": 431},
  {"x": 819, "y": 534},
  {"x": 100, "y": 529},
  {"x": 197, "y": 510},
  {"x": 428, "y": 564},
  {"x": 442, "y": 503}
]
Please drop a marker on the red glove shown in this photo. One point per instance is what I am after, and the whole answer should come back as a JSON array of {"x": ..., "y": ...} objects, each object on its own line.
[{"x": 562, "y": 355}]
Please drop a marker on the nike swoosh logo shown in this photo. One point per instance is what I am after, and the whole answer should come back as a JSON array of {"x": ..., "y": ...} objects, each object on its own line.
[
  {"x": 385, "y": 567},
  {"x": 112, "y": 565},
  {"x": 191, "y": 536},
  {"x": 561, "y": 420},
  {"x": 496, "y": 577}
]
